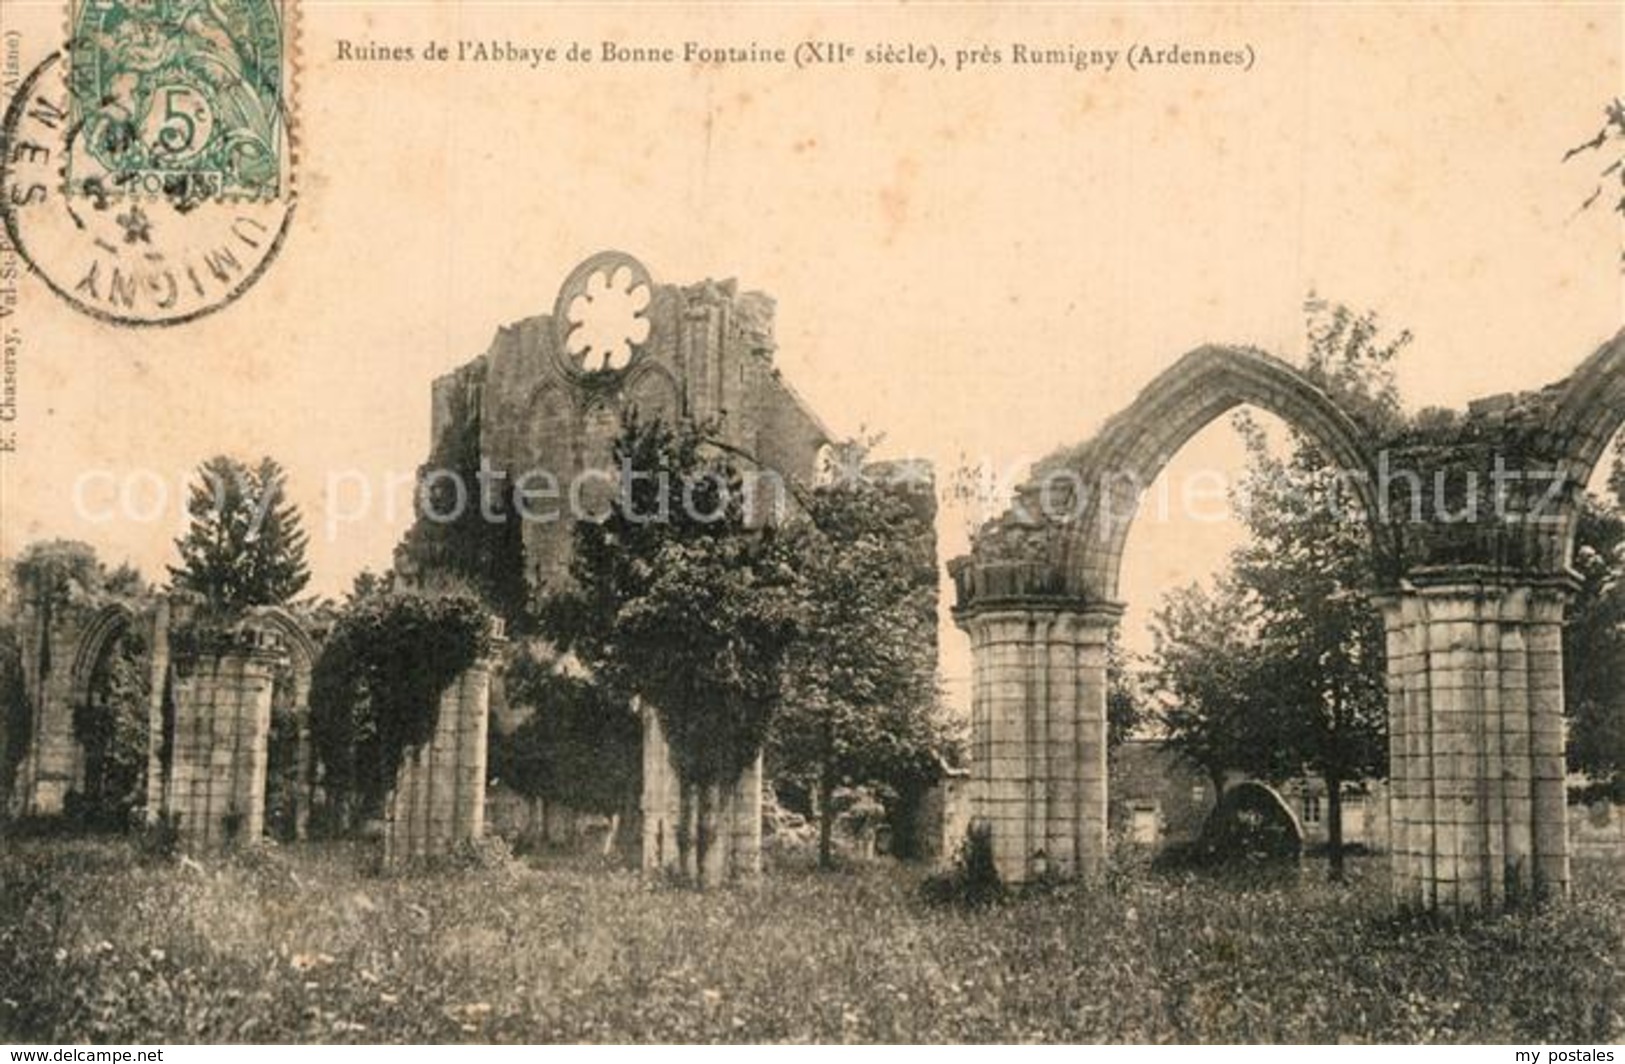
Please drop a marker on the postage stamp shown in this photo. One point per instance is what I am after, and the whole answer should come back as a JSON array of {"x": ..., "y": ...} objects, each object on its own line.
[
  {"x": 149, "y": 165},
  {"x": 181, "y": 94}
]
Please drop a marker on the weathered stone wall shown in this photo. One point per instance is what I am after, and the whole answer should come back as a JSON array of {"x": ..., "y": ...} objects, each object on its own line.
[{"x": 439, "y": 797}]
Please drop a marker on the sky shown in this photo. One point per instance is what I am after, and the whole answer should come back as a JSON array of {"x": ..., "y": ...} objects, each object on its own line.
[{"x": 983, "y": 265}]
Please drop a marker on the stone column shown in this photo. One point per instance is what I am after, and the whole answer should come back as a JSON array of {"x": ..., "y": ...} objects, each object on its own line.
[
  {"x": 222, "y": 702},
  {"x": 1475, "y": 690},
  {"x": 735, "y": 851},
  {"x": 158, "y": 679},
  {"x": 659, "y": 800},
  {"x": 52, "y": 760},
  {"x": 1038, "y": 734},
  {"x": 304, "y": 785},
  {"x": 439, "y": 796}
]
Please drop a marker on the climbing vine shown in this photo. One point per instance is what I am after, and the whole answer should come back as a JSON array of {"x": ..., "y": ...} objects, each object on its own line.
[{"x": 375, "y": 691}]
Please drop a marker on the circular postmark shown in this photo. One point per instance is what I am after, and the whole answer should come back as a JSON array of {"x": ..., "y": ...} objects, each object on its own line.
[{"x": 146, "y": 169}]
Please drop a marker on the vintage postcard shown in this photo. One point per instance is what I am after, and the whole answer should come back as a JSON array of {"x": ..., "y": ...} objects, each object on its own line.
[{"x": 800, "y": 522}]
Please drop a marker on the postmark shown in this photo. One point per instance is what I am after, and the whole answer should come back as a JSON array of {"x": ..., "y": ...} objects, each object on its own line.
[{"x": 148, "y": 165}]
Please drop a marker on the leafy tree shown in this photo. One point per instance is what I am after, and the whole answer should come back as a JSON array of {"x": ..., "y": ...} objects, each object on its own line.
[
  {"x": 1608, "y": 141},
  {"x": 1594, "y": 646},
  {"x": 1208, "y": 667},
  {"x": 245, "y": 545},
  {"x": 677, "y": 601},
  {"x": 578, "y": 747},
  {"x": 861, "y": 707},
  {"x": 1126, "y": 699}
]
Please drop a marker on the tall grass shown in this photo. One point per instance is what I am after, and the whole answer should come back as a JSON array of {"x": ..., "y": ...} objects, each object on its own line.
[{"x": 99, "y": 945}]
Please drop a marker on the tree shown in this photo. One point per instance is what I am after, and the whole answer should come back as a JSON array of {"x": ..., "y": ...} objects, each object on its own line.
[
  {"x": 579, "y": 747},
  {"x": 1208, "y": 669},
  {"x": 1594, "y": 644},
  {"x": 245, "y": 546},
  {"x": 112, "y": 730},
  {"x": 861, "y": 706},
  {"x": 1608, "y": 141},
  {"x": 16, "y": 713},
  {"x": 678, "y": 601},
  {"x": 1126, "y": 706},
  {"x": 1310, "y": 670}
]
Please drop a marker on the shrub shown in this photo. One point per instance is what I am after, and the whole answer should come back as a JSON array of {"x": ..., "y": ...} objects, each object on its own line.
[
  {"x": 974, "y": 880},
  {"x": 1249, "y": 823},
  {"x": 160, "y": 838}
]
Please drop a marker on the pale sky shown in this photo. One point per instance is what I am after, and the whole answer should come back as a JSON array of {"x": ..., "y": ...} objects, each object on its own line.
[{"x": 983, "y": 264}]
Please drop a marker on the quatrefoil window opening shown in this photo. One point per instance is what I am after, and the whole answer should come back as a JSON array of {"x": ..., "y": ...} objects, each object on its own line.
[{"x": 607, "y": 320}]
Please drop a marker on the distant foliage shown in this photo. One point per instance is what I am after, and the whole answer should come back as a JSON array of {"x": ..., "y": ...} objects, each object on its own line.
[
  {"x": 1279, "y": 669},
  {"x": 376, "y": 688},
  {"x": 579, "y": 746},
  {"x": 245, "y": 545}
]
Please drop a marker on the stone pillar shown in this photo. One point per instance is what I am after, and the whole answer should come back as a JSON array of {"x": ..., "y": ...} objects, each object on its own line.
[
  {"x": 1476, "y": 774},
  {"x": 439, "y": 796},
  {"x": 659, "y": 801},
  {"x": 53, "y": 759},
  {"x": 222, "y": 701},
  {"x": 158, "y": 679},
  {"x": 1038, "y": 727},
  {"x": 735, "y": 852}
]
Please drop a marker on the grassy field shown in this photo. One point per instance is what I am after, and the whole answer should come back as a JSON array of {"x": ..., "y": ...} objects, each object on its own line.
[{"x": 99, "y": 945}]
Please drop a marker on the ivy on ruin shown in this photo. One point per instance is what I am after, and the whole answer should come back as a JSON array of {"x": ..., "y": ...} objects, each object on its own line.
[{"x": 375, "y": 690}]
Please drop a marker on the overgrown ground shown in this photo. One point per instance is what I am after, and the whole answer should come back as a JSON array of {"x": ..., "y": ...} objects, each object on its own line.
[{"x": 99, "y": 945}]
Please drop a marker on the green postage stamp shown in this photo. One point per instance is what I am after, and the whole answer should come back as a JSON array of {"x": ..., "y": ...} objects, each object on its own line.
[
  {"x": 179, "y": 96},
  {"x": 149, "y": 176}
]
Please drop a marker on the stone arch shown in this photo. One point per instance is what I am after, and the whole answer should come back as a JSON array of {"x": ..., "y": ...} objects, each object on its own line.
[
  {"x": 1472, "y": 611},
  {"x": 1038, "y": 597},
  {"x": 1123, "y": 460},
  {"x": 654, "y": 391},
  {"x": 1590, "y": 413},
  {"x": 301, "y": 648},
  {"x": 97, "y": 636}
]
